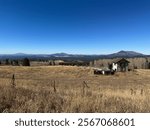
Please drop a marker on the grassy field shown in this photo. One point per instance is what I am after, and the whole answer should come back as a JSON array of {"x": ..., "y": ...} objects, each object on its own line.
[{"x": 72, "y": 89}]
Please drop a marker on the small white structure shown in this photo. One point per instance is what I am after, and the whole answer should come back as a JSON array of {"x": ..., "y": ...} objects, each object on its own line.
[
  {"x": 121, "y": 65},
  {"x": 114, "y": 66}
]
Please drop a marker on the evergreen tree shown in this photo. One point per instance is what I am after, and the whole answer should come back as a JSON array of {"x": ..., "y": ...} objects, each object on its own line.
[
  {"x": 26, "y": 62},
  {"x": 15, "y": 62},
  {"x": 7, "y": 62}
]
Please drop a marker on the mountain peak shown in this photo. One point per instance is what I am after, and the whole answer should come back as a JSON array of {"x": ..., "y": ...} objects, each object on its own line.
[
  {"x": 20, "y": 54},
  {"x": 123, "y": 53}
]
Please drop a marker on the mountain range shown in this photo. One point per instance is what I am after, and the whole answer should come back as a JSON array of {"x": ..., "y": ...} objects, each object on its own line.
[{"x": 65, "y": 56}]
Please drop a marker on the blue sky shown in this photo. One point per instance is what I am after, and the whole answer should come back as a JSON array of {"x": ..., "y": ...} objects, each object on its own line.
[{"x": 74, "y": 26}]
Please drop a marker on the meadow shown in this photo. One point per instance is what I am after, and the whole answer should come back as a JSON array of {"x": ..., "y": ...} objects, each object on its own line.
[{"x": 65, "y": 89}]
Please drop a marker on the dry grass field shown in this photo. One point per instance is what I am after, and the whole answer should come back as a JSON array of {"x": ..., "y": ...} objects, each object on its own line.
[{"x": 72, "y": 89}]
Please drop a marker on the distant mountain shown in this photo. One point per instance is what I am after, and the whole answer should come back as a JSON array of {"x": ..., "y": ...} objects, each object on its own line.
[
  {"x": 118, "y": 54},
  {"x": 70, "y": 57},
  {"x": 61, "y": 55},
  {"x": 126, "y": 54},
  {"x": 20, "y": 54}
]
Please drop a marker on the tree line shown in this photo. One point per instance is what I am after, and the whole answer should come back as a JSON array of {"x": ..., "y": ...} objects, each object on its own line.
[{"x": 24, "y": 62}]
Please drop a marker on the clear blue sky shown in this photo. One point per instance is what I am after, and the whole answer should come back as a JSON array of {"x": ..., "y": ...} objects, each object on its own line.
[{"x": 74, "y": 26}]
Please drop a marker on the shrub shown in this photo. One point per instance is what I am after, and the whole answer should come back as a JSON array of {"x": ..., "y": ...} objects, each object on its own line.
[
  {"x": 26, "y": 62},
  {"x": 7, "y": 62}
]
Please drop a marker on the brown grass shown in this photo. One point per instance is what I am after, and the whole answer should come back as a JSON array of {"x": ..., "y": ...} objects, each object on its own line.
[
  {"x": 73, "y": 89},
  {"x": 134, "y": 62}
]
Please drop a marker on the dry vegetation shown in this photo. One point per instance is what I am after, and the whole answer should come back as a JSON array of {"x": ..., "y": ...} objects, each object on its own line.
[
  {"x": 72, "y": 89},
  {"x": 138, "y": 63}
]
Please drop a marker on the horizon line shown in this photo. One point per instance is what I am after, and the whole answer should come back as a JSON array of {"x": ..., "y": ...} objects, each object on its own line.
[{"x": 24, "y": 53}]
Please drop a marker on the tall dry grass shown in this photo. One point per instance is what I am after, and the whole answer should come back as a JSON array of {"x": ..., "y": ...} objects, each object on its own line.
[{"x": 73, "y": 89}]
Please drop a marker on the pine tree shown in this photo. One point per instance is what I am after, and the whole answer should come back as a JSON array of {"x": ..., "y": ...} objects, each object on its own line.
[
  {"x": 26, "y": 62},
  {"x": 7, "y": 62}
]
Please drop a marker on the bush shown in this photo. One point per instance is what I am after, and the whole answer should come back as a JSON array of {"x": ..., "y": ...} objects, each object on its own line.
[
  {"x": 15, "y": 63},
  {"x": 7, "y": 62},
  {"x": 26, "y": 62}
]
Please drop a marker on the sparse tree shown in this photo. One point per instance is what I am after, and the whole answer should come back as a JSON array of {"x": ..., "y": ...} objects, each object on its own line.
[
  {"x": 7, "y": 62},
  {"x": 16, "y": 63},
  {"x": 149, "y": 66},
  {"x": 11, "y": 62},
  {"x": 146, "y": 64},
  {"x": 26, "y": 62}
]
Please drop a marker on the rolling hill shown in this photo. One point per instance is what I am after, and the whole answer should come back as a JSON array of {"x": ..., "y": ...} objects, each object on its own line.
[{"x": 65, "y": 56}]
